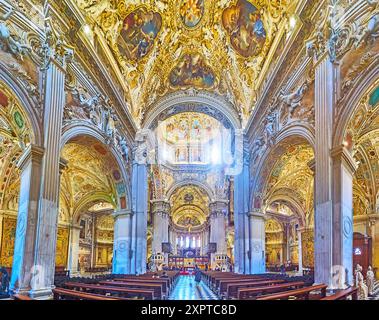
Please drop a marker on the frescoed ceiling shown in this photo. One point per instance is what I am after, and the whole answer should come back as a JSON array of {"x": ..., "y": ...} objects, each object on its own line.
[
  {"x": 290, "y": 184},
  {"x": 189, "y": 207},
  {"x": 164, "y": 46},
  {"x": 91, "y": 176}
]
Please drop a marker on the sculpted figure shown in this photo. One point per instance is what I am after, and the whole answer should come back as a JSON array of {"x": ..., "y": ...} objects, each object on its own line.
[
  {"x": 293, "y": 100},
  {"x": 124, "y": 149},
  {"x": 11, "y": 42},
  {"x": 371, "y": 30},
  {"x": 359, "y": 283},
  {"x": 370, "y": 280}
]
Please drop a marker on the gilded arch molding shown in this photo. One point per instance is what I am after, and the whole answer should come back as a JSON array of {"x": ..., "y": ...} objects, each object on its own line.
[{"x": 29, "y": 106}]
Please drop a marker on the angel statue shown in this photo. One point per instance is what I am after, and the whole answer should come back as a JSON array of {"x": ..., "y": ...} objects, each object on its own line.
[
  {"x": 371, "y": 30},
  {"x": 9, "y": 41},
  {"x": 293, "y": 100}
]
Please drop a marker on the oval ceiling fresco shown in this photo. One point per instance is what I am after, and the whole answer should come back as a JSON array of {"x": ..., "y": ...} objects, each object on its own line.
[
  {"x": 139, "y": 30},
  {"x": 192, "y": 70},
  {"x": 245, "y": 28},
  {"x": 191, "y": 12}
]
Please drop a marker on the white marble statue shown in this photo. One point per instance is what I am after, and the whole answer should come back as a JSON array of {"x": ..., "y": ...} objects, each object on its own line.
[
  {"x": 370, "y": 280},
  {"x": 9, "y": 41},
  {"x": 359, "y": 283},
  {"x": 371, "y": 29}
]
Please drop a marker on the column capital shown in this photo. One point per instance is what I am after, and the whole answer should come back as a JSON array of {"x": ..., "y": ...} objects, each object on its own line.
[
  {"x": 160, "y": 206},
  {"x": 341, "y": 154},
  {"x": 122, "y": 213},
  {"x": 256, "y": 214},
  {"x": 218, "y": 208},
  {"x": 31, "y": 153}
]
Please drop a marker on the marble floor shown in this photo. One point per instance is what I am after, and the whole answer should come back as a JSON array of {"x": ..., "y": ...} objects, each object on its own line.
[{"x": 186, "y": 289}]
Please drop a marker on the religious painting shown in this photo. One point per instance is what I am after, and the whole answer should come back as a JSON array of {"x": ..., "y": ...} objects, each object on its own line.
[
  {"x": 189, "y": 221},
  {"x": 245, "y": 28},
  {"x": 8, "y": 241},
  {"x": 140, "y": 29},
  {"x": 191, "y": 12},
  {"x": 62, "y": 247},
  {"x": 192, "y": 70}
]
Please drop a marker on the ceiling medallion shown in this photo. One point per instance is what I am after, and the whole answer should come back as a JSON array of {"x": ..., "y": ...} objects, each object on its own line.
[
  {"x": 191, "y": 12},
  {"x": 245, "y": 28},
  {"x": 139, "y": 30}
]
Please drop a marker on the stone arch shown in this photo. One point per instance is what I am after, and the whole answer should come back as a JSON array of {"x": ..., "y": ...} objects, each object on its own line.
[
  {"x": 292, "y": 202},
  {"x": 201, "y": 102},
  {"x": 267, "y": 162},
  {"x": 202, "y": 185},
  {"x": 89, "y": 200},
  {"x": 84, "y": 129}
]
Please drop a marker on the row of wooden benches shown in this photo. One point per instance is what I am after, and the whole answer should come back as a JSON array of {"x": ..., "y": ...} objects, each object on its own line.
[
  {"x": 127, "y": 287},
  {"x": 269, "y": 287}
]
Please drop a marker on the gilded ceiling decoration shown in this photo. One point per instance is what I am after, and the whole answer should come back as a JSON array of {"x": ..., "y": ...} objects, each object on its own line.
[
  {"x": 92, "y": 176},
  {"x": 292, "y": 179},
  {"x": 189, "y": 207},
  {"x": 162, "y": 46}
]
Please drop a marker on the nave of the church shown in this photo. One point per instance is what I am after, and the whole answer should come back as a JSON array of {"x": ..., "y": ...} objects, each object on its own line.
[{"x": 189, "y": 150}]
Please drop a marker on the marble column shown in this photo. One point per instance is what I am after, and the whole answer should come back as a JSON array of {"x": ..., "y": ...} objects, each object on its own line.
[
  {"x": 139, "y": 206},
  {"x": 218, "y": 212},
  {"x": 300, "y": 251},
  {"x": 257, "y": 239},
  {"x": 161, "y": 215},
  {"x": 344, "y": 167},
  {"x": 30, "y": 165},
  {"x": 241, "y": 220},
  {"x": 326, "y": 88},
  {"x": 122, "y": 242},
  {"x": 73, "y": 258}
]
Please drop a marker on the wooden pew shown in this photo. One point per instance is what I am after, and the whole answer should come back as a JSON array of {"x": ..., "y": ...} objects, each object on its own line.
[
  {"x": 232, "y": 287},
  {"x": 164, "y": 283},
  {"x": 65, "y": 294},
  {"x": 302, "y": 293},
  {"x": 344, "y": 294},
  {"x": 156, "y": 287},
  {"x": 252, "y": 293},
  {"x": 223, "y": 284},
  {"x": 125, "y": 292}
]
